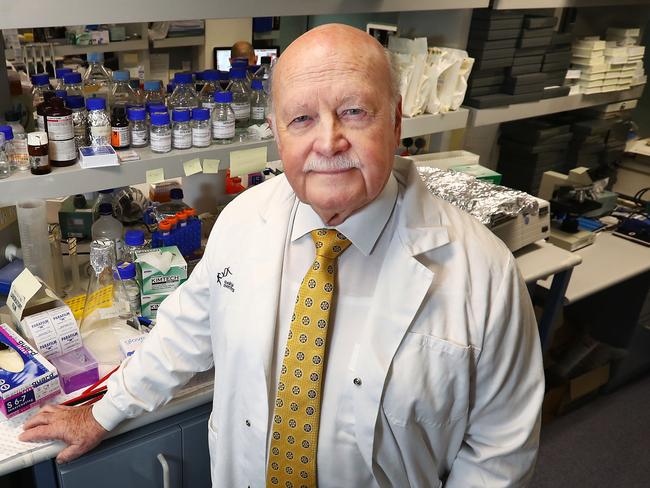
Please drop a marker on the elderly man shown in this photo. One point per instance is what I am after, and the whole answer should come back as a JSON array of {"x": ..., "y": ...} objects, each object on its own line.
[
  {"x": 243, "y": 49},
  {"x": 369, "y": 334}
]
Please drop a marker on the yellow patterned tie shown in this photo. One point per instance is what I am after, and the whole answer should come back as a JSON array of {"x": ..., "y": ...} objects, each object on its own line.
[{"x": 292, "y": 459}]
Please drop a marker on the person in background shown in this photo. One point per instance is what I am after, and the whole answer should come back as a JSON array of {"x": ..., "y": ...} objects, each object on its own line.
[
  {"x": 363, "y": 333},
  {"x": 243, "y": 49}
]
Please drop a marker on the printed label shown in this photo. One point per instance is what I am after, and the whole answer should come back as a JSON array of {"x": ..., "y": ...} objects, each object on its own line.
[
  {"x": 36, "y": 162},
  {"x": 258, "y": 113},
  {"x": 63, "y": 150},
  {"x": 54, "y": 331},
  {"x": 60, "y": 128},
  {"x": 242, "y": 110},
  {"x": 120, "y": 137},
  {"x": 209, "y": 105},
  {"x": 161, "y": 142},
  {"x": 223, "y": 129},
  {"x": 40, "y": 121},
  {"x": 182, "y": 137},
  {"x": 100, "y": 135},
  {"x": 201, "y": 136},
  {"x": 139, "y": 137}
]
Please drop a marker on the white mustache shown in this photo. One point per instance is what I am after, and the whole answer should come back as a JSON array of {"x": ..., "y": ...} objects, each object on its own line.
[{"x": 329, "y": 164}]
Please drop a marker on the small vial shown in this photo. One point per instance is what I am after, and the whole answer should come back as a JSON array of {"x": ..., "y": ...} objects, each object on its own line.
[
  {"x": 223, "y": 118},
  {"x": 72, "y": 84},
  {"x": 120, "y": 133},
  {"x": 259, "y": 106},
  {"x": 181, "y": 129},
  {"x": 161, "y": 133},
  {"x": 138, "y": 127},
  {"x": 37, "y": 145},
  {"x": 79, "y": 119},
  {"x": 201, "y": 130},
  {"x": 126, "y": 273},
  {"x": 15, "y": 150},
  {"x": 99, "y": 123},
  {"x": 133, "y": 242}
]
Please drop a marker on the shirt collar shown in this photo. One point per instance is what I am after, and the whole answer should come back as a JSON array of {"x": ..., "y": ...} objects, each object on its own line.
[{"x": 362, "y": 228}]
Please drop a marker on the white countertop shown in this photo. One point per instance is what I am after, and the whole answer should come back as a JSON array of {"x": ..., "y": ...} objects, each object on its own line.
[{"x": 542, "y": 259}]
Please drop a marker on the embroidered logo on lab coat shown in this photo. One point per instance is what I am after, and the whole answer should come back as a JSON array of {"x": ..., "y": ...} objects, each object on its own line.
[{"x": 221, "y": 279}]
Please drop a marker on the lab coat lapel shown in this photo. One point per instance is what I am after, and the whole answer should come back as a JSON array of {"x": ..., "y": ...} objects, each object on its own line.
[{"x": 403, "y": 284}]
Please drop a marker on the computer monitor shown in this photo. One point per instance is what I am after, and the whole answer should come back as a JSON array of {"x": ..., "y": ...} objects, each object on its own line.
[{"x": 221, "y": 56}]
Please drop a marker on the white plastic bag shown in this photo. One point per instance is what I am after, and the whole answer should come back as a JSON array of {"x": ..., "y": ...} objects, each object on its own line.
[
  {"x": 447, "y": 70},
  {"x": 409, "y": 56}
]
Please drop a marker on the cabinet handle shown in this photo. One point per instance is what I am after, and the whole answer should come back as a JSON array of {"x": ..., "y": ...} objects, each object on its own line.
[{"x": 165, "y": 470}]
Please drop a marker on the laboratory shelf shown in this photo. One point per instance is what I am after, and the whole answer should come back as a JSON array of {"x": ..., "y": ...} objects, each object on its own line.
[
  {"x": 431, "y": 124},
  {"x": 497, "y": 115},
  {"x": 519, "y": 4},
  {"x": 74, "y": 179},
  {"x": 117, "y": 46},
  {"x": 179, "y": 42},
  {"x": 18, "y": 14}
]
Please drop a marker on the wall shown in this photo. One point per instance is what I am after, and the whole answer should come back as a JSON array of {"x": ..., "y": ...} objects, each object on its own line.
[{"x": 224, "y": 32}]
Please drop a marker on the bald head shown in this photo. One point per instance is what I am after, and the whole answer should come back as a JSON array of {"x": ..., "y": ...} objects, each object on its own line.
[
  {"x": 342, "y": 45},
  {"x": 243, "y": 49}
]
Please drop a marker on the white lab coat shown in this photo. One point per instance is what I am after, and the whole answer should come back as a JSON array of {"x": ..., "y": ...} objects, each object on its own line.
[{"x": 449, "y": 358}]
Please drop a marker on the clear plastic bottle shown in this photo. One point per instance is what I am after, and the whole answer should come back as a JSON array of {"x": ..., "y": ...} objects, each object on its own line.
[
  {"x": 97, "y": 80},
  {"x": 223, "y": 118},
  {"x": 19, "y": 143},
  {"x": 210, "y": 86},
  {"x": 184, "y": 95},
  {"x": 126, "y": 272},
  {"x": 138, "y": 127},
  {"x": 40, "y": 86},
  {"x": 254, "y": 71},
  {"x": 241, "y": 98},
  {"x": 173, "y": 206},
  {"x": 133, "y": 242},
  {"x": 160, "y": 135},
  {"x": 5, "y": 168},
  {"x": 79, "y": 119},
  {"x": 181, "y": 129},
  {"x": 99, "y": 123},
  {"x": 109, "y": 227},
  {"x": 60, "y": 73},
  {"x": 72, "y": 84},
  {"x": 266, "y": 73},
  {"x": 104, "y": 196},
  {"x": 122, "y": 94},
  {"x": 8, "y": 136},
  {"x": 259, "y": 105},
  {"x": 153, "y": 93},
  {"x": 201, "y": 128},
  {"x": 198, "y": 81}
]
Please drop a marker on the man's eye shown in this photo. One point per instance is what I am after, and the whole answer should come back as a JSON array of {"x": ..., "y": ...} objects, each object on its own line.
[
  {"x": 354, "y": 112},
  {"x": 301, "y": 119}
]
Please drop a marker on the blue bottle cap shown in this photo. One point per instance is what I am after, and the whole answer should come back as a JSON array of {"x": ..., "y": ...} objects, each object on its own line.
[
  {"x": 125, "y": 270},
  {"x": 159, "y": 118},
  {"x": 183, "y": 77},
  {"x": 134, "y": 237},
  {"x": 200, "y": 114},
  {"x": 121, "y": 75},
  {"x": 240, "y": 63},
  {"x": 7, "y": 131},
  {"x": 181, "y": 115},
  {"x": 156, "y": 107},
  {"x": 72, "y": 78},
  {"x": 256, "y": 84},
  {"x": 95, "y": 57},
  {"x": 211, "y": 75},
  {"x": 152, "y": 85},
  {"x": 61, "y": 72},
  {"x": 137, "y": 113},
  {"x": 97, "y": 103},
  {"x": 61, "y": 94},
  {"x": 40, "y": 79},
  {"x": 223, "y": 97},
  {"x": 198, "y": 76},
  {"x": 237, "y": 74},
  {"x": 74, "y": 101},
  {"x": 224, "y": 75}
]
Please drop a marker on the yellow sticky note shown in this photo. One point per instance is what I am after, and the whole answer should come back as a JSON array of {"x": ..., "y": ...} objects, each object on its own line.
[
  {"x": 210, "y": 166},
  {"x": 155, "y": 175},
  {"x": 247, "y": 161},
  {"x": 192, "y": 167}
]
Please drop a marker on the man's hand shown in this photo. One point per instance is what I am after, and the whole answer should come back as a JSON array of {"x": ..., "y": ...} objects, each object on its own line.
[{"x": 75, "y": 426}]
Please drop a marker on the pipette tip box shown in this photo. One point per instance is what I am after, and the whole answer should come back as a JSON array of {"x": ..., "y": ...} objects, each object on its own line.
[{"x": 77, "y": 368}]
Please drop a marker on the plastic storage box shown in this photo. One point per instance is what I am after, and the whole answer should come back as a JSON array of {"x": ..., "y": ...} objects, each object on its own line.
[{"x": 76, "y": 369}]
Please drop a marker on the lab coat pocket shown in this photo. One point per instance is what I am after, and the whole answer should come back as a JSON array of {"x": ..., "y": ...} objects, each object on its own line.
[{"x": 429, "y": 381}]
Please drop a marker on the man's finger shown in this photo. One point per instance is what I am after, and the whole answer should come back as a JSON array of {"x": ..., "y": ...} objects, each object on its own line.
[
  {"x": 39, "y": 433},
  {"x": 41, "y": 418},
  {"x": 70, "y": 453}
]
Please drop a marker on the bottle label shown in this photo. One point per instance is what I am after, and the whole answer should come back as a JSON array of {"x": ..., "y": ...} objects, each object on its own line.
[
  {"x": 80, "y": 130},
  {"x": 258, "y": 113},
  {"x": 223, "y": 129},
  {"x": 120, "y": 137},
  {"x": 182, "y": 137},
  {"x": 60, "y": 127},
  {"x": 242, "y": 110},
  {"x": 201, "y": 136},
  {"x": 139, "y": 137},
  {"x": 19, "y": 155},
  {"x": 209, "y": 105},
  {"x": 100, "y": 135},
  {"x": 63, "y": 150},
  {"x": 40, "y": 122},
  {"x": 37, "y": 162},
  {"x": 161, "y": 142}
]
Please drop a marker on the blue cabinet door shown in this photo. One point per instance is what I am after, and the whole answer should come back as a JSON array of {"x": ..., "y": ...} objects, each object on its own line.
[
  {"x": 129, "y": 463},
  {"x": 196, "y": 455}
]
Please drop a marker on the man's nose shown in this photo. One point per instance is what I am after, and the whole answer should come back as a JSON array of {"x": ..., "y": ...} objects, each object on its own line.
[{"x": 331, "y": 138}]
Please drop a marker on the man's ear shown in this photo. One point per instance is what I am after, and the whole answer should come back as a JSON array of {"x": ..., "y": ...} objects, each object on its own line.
[
  {"x": 398, "y": 121},
  {"x": 271, "y": 121}
]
